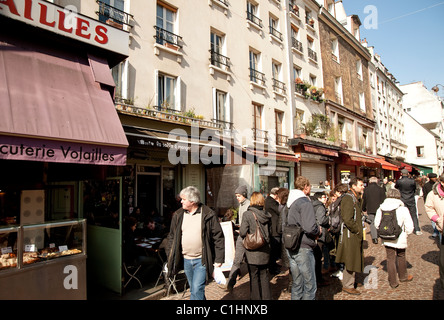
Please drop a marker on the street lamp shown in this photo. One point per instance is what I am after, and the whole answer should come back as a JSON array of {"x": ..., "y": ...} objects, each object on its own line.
[{"x": 436, "y": 89}]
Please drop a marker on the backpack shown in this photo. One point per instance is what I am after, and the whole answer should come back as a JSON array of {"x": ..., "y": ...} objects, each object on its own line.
[
  {"x": 389, "y": 228},
  {"x": 335, "y": 218}
]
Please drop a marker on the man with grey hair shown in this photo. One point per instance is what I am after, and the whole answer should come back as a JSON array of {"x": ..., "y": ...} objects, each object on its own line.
[
  {"x": 196, "y": 242},
  {"x": 372, "y": 198}
]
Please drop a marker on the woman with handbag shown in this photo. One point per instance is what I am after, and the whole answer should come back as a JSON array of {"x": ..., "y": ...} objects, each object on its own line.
[{"x": 255, "y": 232}]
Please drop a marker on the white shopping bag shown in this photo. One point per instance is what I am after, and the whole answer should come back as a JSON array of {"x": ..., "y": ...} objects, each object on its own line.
[{"x": 218, "y": 276}]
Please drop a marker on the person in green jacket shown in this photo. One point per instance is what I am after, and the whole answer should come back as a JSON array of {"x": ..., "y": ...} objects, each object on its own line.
[{"x": 350, "y": 248}]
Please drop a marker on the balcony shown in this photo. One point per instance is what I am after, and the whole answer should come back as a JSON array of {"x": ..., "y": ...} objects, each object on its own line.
[
  {"x": 297, "y": 45},
  {"x": 312, "y": 55},
  {"x": 281, "y": 140},
  {"x": 294, "y": 9},
  {"x": 257, "y": 77},
  {"x": 167, "y": 38},
  {"x": 113, "y": 16},
  {"x": 255, "y": 21},
  {"x": 170, "y": 115},
  {"x": 260, "y": 135},
  {"x": 279, "y": 87},
  {"x": 275, "y": 33},
  {"x": 219, "y": 60}
]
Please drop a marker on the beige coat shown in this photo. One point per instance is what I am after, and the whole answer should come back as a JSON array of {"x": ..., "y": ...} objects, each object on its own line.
[{"x": 435, "y": 206}]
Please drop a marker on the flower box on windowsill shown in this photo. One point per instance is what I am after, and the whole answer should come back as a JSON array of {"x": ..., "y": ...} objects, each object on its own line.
[{"x": 171, "y": 46}]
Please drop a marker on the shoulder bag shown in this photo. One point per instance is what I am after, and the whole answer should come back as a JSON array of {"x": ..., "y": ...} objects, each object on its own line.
[{"x": 253, "y": 241}]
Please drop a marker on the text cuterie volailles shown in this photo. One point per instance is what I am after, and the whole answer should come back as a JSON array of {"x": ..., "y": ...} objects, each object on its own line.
[{"x": 68, "y": 153}]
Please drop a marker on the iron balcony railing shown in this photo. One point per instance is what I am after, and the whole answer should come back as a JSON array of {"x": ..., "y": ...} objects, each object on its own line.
[
  {"x": 296, "y": 44},
  {"x": 116, "y": 15},
  {"x": 260, "y": 135},
  {"x": 163, "y": 36},
  {"x": 278, "y": 85},
  {"x": 281, "y": 140},
  {"x": 257, "y": 77},
  {"x": 294, "y": 8},
  {"x": 312, "y": 54},
  {"x": 218, "y": 60},
  {"x": 276, "y": 33},
  {"x": 224, "y": 2},
  {"x": 251, "y": 17}
]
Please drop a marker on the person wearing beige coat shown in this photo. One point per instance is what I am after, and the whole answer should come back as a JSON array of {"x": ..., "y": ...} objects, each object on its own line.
[{"x": 434, "y": 207}]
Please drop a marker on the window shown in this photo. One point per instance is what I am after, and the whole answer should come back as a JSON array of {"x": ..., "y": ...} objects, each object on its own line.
[
  {"x": 119, "y": 73},
  {"x": 299, "y": 120},
  {"x": 279, "y": 116},
  {"x": 168, "y": 92},
  {"x": 362, "y": 101},
  {"x": 295, "y": 42},
  {"x": 359, "y": 69},
  {"x": 311, "y": 49},
  {"x": 274, "y": 27},
  {"x": 222, "y": 112},
  {"x": 255, "y": 75},
  {"x": 313, "y": 80},
  {"x": 217, "y": 50},
  {"x": 335, "y": 50},
  {"x": 258, "y": 113},
  {"x": 420, "y": 151},
  {"x": 252, "y": 10},
  {"x": 165, "y": 20},
  {"x": 338, "y": 90},
  {"x": 297, "y": 72}
]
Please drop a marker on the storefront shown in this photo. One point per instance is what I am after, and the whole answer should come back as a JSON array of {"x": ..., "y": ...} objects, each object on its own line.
[
  {"x": 59, "y": 132},
  {"x": 316, "y": 161},
  {"x": 351, "y": 164}
]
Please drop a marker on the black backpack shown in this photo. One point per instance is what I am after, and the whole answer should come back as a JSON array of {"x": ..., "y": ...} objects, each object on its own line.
[
  {"x": 389, "y": 228},
  {"x": 335, "y": 217}
]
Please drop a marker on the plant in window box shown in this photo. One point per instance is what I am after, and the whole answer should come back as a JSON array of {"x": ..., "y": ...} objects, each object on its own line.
[{"x": 311, "y": 22}]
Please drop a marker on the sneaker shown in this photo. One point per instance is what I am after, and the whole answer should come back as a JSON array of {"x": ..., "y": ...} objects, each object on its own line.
[
  {"x": 409, "y": 278},
  {"x": 418, "y": 233}
]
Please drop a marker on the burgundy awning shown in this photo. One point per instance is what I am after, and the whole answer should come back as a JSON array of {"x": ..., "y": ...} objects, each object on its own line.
[{"x": 55, "y": 106}]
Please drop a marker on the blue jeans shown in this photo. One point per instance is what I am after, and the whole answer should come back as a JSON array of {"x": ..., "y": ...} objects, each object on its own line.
[
  {"x": 196, "y": 275},
  {"x": 302, "y": 267}
]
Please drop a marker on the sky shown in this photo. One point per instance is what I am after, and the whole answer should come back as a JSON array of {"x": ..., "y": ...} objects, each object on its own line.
[{"x": 407, "y": 34}]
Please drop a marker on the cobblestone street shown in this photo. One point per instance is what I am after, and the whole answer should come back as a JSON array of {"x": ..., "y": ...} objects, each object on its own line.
[{"x": 422, "y": 263}]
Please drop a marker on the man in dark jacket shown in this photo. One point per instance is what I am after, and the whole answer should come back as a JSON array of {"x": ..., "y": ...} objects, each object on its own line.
[
  {"x": 372, "y": 198},
  {"x": 196, "y": 239},
  {"x": 302, "y": 261},
  {"x": 407, "y": 187},
  {"x": 428, "y": 186},
  {"x": 272, "y": 207}
]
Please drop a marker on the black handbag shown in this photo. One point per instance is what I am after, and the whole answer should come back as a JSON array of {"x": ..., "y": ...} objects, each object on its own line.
[
  {"x": 253, "y": 241},
  {"x": 291, "y": 235}
]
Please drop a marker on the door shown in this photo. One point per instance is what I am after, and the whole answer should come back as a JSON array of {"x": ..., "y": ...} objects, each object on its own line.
[
  {"x": 148, "y": 192},
  {"x": 102, "y": 207}
]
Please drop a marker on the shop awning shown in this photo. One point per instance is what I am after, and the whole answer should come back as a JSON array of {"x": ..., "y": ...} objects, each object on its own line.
[
  {"x": 323, "y": 151},
  {"x": 387, "y": 165},
  {"x": 406, "y": 166},
  {"x": 56, "y": 106}
]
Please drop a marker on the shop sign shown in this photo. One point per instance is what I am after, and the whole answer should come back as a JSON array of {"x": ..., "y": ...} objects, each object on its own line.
[
  {"x": 18, "y": 148},
  {"x": 66, "y": 22}
]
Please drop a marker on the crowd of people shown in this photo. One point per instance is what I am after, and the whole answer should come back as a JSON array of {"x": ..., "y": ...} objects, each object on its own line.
[{"x": 334, "y": 223}]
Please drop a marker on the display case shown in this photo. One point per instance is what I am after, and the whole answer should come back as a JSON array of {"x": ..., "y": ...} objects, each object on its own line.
[
  {"x": 48, "y": 241},
  {"x": 8, "y": 247}
]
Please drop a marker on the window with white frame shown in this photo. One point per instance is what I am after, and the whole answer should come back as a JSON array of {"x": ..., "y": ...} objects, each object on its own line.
[
  {"x": 338, "y": 90},
  {"x": 168, "y": 91},
  {"x": 119, "y": 73},
  {"x": 335, "y": 49},
  {"x": 256, "y": 75},
  {"x": 362, "y": 101},
  {"x": 218, "y": 49},
  {"x": 359, "y": 69},
  {"x": 165, "y": 24},
  {"x": 221, "y": 109}
]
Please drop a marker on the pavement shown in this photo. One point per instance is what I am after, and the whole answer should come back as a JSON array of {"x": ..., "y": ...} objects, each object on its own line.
[{"x": 422, "y": 263}]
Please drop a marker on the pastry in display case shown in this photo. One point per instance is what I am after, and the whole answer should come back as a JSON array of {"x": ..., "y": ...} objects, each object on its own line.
[
  {"x": 54, "y": 240},
  {"x": 8, "y": 247}
]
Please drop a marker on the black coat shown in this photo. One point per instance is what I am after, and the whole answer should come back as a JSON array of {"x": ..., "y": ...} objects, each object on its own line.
[
  {"x": 372, "y": 198},
  {"x": 427, "y": 188},
  {"x": 272, "y": 207},
  {"x": 407, "y": 187},
  {"x": 213, "y": 242}
]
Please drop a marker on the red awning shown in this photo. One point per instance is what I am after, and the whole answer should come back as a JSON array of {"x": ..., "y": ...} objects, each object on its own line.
[
  {"x": 406, "y": 166},
  {"x": 54, "y": 109},
  {"x": 387, "y": 165}
]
